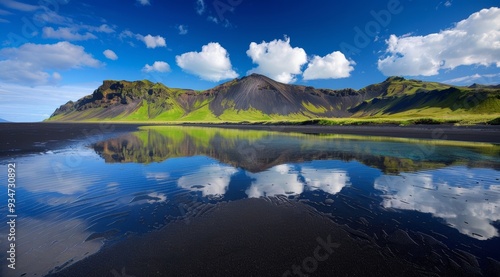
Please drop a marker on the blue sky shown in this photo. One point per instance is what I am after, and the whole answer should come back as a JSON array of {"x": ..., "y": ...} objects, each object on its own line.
[{"x": 53, "y": 51}]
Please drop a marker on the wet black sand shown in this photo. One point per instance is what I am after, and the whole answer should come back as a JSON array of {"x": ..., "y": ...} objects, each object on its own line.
[
  {"x": 269, "y": 237},
  {"x": 22, "y": 138}
]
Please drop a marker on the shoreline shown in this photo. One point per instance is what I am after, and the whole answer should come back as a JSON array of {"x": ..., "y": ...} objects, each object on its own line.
[
  {"x": 476, "y": 133},
  {"x": 21, "y": 138}
]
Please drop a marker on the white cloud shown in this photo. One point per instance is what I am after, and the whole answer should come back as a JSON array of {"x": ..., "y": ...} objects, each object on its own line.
[
  {"x": 473, "y": 41},
  {"x": 104, "y": 28},
  {"x": 22, "y": 66},
  {"x": 53, "y": 17},
  {"x": 157, "y": 66},
  {"x": 277, "y": 59},
  {"x": 331, "y": 66},
  {"x": 144, "y": 2},
  {"x": 66, "y": 33},
  {"x": 152, "y": 41},
  {"x": 212, "y": 63},
  {"x": 447, "y": 4},
  {"x": 462, "y": 207},
  {"x": 42, "y": 18},
  {"x": 110, "y": 54},
  {"x": 182, "y": 29},
  {"x": 16, "y": 5},
  {"x": 149, "y": 40},
  {"x": 125, "y": 34},
  {"x": 485, "y": 79},
  {"x": 200, "y": 6}
]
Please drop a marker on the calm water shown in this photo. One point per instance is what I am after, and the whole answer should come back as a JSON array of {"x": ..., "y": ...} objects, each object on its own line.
[{"x": 74, "y": 201}]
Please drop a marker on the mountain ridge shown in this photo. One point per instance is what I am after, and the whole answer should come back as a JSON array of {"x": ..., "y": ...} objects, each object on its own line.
[{"x": 259, "y": 98}]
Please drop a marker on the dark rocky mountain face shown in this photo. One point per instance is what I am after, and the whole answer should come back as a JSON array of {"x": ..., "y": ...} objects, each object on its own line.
[{"x": 256, "y": 97}]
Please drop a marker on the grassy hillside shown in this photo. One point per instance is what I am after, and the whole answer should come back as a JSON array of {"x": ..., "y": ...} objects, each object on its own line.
[{"x": 258, "y": 99}]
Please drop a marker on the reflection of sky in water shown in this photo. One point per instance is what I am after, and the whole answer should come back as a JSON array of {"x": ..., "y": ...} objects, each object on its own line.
[
  {"x": 210, "y": 180},
  {"x": 467, "y": 199},
  {"x": 285, "y": 180},
  {"x": 71, "y": 200}
]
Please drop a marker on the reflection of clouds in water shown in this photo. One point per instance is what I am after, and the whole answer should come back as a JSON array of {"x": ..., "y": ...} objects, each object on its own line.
[
  {"x": 156, "y": 197},
  {"x": 465, "y": 208},
  {"x": 275, "y": 181},
  {"x": 41, "y": 245},
  {"x": 210, "y": 180},
  {"x": 331, "y": 182},
  {"x": 283, "y": 180},
  {"x": 157, "y": 176},
  {"x": 64, "y": 173}
]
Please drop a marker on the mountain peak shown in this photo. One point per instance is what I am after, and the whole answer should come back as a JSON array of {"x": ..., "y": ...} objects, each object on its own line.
[{"x": 394, "y": 79}]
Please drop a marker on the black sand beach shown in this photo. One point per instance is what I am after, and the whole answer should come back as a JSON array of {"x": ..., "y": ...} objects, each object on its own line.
[
  {"x": 267, "y": 237},
  {"x": 21, "y": 138}
]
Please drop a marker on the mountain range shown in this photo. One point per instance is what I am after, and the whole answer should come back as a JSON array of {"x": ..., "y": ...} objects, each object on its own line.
[{"x": 257, "y": 98}]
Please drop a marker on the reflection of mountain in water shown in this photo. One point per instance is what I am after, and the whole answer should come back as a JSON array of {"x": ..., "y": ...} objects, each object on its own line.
[{"x": 256, "y": 151}]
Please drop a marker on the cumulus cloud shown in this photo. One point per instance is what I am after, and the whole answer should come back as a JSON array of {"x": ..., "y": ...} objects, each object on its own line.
[
  {"x": 110, "y": 54},
  {"x": 66, "y": 33},
  {"x": 212, "y": 63},
  {"x": 19, "y": 65},
  {"x": 152, "y": 41},
  {"x": 157, "y": 66},
  {"x": 277, "y": 59},
  {"x": 182, "y": 29},
  {"x": 144, "y": 2},
  {"x": 331, "y": 66},
  {"x": 473, "y": 41}
]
